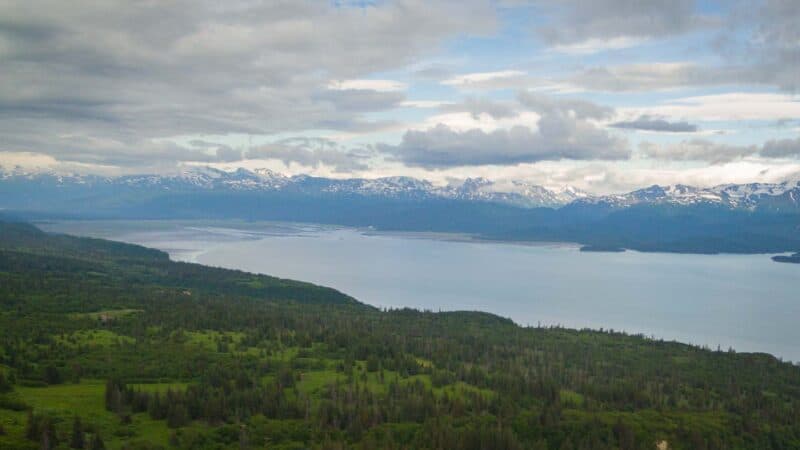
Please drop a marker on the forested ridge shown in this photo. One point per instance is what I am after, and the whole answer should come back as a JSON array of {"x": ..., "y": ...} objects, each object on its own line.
[{"x": 110, "y": 345}]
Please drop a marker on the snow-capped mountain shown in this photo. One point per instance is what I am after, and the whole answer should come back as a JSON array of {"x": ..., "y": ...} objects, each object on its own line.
[
  {"x": 778, "y": 196},
  {"x": 748, "y": 218},
  {"x": 745, "y": 196},
  {"x": 517, "y": 193},
  {"x": 208, "y": 178}
]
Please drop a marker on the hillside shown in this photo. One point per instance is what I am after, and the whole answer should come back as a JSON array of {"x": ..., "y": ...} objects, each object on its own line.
[{"x": 111, "y": 342}]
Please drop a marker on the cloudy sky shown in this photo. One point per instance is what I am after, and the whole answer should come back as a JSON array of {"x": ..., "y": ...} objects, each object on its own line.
[{"x": 606, "y": 95}]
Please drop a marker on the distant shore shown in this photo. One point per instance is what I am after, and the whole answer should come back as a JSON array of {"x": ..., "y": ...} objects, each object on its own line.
[
  {"x": 793, "y": 259},
  {"x": 602, "y": 249}
]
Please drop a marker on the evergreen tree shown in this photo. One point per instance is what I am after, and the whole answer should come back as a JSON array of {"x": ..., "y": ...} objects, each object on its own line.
[
  {"x": 5, "y": 385},
  {"x": 52, "y": 375},
  {"x": 97, "y": 442},
  {"x": 177, "y": 416},
  {"x": 32, "y": 426},
  {"x": 49, "y": 439},
  {"x": 113, "y": 396},
  {"x": 76, "y": 439}
]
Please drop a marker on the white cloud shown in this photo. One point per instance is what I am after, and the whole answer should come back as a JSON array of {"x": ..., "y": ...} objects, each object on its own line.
[
  {"x": 39, "y": 162},
  {"x": 368, "y": 85},
  {"x": 603, "y": 177},
  {"x": 311, "y": 153},
  {"x": 465, "y": 120},
  {"x": 731, "y": 106},
  {"x": 553, "y": 87},
  {"x": 511, "y": 79},
  {"x": 479, "y": 79},
  {"x": 595, "y": 45},
  {"x": 697, "y": 150},
  {"x": 26, "y": 160},
  {"x": 752, "y": 170},
  {"x": 425, "y": 104},
  {"x": 716, "y": 153},
  {"x": 651, "y": 76}
]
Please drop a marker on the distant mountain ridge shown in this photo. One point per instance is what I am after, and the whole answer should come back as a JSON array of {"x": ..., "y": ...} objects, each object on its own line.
[
  {"x": 785, "y": 195},
  {"x": 747, "y": 218},
  {"x": 521, "y": 194}
]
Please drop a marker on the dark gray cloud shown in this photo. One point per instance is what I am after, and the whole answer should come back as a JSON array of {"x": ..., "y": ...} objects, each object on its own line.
[
  {"x": 564, "y": 131},
  {"x": 697, "y": 150},
  {"x": 478, "y": 106},
  {"x": 758, "y": 43},
  {"x": 220, "y": 152},
  {"x": 434, "y": 72},
  {"x": 122, "y": 74},
  {"x": 772, "y": 50},
  {"x": 360, "y": 100},
  {"x": 441, "y": 147},
  {"x": 656, "y": 76},
  {"x": 781, "y": 148},
  {"x": 562, "y": 106},
  {"x": 313, "y": 152},
  {"x": 650, "y": 123},
  {"x": 578, "y": 21},
  {"x": 717, "y": 153},
  {"x": 123, "y": 151}
]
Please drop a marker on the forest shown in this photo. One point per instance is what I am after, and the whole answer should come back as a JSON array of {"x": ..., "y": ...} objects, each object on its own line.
[{"x": 105, "y": 345}]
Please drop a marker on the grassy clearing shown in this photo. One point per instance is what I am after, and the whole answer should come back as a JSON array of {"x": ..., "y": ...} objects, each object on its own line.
[
  {"x": 571, "y": 398},
  {"x": 160, "y": 387},
  {"x": 459, "y": 387},
  {"x": 314, "y": 383},
  {"x": 93, "y": 338},
  {"x": 107, "y": 314},
  {"x": 86, "y": 399},
  {"x": 209, "y": 339},
  {"x": 14, "y": 425}
]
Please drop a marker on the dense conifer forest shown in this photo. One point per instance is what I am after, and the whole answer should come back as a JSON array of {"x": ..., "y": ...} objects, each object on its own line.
[{"x": 109, "y": 345}]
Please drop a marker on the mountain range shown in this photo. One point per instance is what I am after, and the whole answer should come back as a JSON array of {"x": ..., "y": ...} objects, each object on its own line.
[
  {"x": 518, "y": 193},
  {"x": 515, "y": 193},
  {"x": 746, "y": 218}
]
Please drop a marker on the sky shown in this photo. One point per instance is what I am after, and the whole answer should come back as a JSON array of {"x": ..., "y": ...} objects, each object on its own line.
[{"x": 604, "y": 95}]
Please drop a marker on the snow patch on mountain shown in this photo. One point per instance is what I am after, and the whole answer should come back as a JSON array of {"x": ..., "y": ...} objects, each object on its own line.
[
  {"x": 744, "y": 196},
  {"x": 517, "y": 193}
]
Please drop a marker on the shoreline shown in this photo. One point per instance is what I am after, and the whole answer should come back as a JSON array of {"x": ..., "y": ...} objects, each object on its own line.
[
  {"x": 202, "y": 251},
  {"x": 310, "y": 227}
]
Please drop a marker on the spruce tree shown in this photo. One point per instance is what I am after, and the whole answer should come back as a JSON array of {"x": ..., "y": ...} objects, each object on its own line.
[
  {"x": 77, "y": 438},
  {"x": 97, "y": 442}
]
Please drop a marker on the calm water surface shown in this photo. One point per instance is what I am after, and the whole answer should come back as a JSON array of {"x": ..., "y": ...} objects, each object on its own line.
[{"x": 746, "y": 302}]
